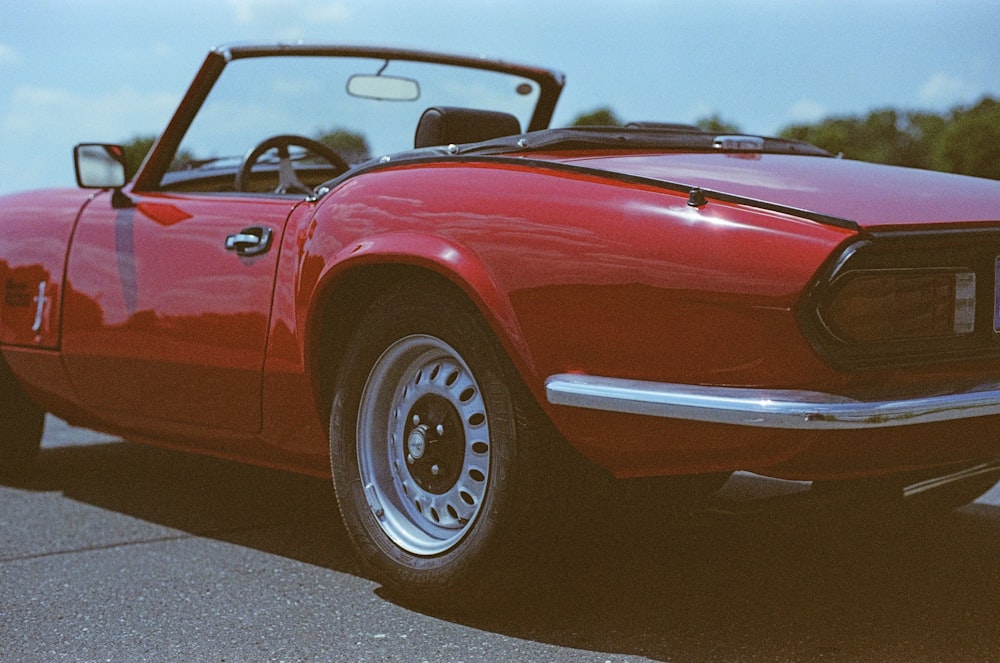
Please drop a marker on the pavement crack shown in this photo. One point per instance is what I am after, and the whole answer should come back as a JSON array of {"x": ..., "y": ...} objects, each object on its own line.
[{"x": 94, "y": 548}]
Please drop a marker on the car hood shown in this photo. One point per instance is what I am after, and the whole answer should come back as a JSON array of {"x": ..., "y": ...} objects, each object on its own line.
[{"x": 873, "y": 196}]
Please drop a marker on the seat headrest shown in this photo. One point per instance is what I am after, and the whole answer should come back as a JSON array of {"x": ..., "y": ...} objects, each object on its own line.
[{"x": 444, "y": 125}]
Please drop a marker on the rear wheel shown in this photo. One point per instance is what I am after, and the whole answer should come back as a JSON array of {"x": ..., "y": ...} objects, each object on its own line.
[
  {"x": 438, "y": 458},
  {"x": 21, "y": 426}
]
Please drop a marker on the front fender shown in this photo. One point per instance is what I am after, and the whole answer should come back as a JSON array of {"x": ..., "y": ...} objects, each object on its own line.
[{"x": 36, "y": 229}]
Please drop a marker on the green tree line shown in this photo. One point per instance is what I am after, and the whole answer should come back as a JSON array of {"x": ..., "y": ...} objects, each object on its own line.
[
  {"x": 353, "y": 147},
  {"x": 965, "y": 140}
]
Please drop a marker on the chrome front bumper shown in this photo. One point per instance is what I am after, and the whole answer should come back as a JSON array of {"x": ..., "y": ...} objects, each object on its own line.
[{"x": 766, "y": 408}]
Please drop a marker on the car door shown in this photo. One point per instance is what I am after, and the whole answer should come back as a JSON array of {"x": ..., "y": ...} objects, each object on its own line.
[{"x": 166, "y": 311}]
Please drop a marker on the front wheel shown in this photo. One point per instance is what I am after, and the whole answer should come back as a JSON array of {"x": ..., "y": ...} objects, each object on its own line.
[{"x": 437, "y": 457}]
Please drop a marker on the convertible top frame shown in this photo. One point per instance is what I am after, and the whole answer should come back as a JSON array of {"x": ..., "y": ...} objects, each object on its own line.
[{"x": 550, "y": 84}]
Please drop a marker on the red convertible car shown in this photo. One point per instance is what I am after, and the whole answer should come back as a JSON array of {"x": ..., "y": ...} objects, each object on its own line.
[{"x": 382, "y": 265}]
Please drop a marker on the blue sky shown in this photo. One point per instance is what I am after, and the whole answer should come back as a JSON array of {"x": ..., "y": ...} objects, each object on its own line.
[{"x": 109, "y": 70}]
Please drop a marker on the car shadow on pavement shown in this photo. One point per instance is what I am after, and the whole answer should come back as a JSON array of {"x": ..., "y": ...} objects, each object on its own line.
[
  {"x": 787, "y": 585},
  {"x": 795, "y": 584},
  {"x": 277, "y": 512}
]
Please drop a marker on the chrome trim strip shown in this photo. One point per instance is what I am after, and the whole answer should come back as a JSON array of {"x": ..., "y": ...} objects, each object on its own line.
[
  {"x": 41, "y": 303},
  {"x": 766, "y": 408},
  {"x": 988, "y": 467}
]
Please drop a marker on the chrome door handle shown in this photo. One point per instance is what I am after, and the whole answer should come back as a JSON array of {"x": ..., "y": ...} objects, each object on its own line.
[{"x": 251, "y": 241}]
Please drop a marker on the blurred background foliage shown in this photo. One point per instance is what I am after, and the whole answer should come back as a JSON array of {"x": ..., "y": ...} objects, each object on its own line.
[
  {"x": 351, "y": 146},
  {"x": 965, "y": 140}
]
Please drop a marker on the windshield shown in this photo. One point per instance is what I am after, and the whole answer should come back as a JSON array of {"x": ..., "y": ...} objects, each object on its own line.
[{"x": 337, "y": 101}]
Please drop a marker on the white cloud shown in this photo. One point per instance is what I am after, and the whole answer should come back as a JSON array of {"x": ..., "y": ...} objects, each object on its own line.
[
  {"x": 247, "y": 10},
  {"x": 117, "y": 115},
  {"x": 807, "y": 111},
  {"x": 162, "y": 49},
  {"x": 272, "y": 11},
  {"x": 8, "y": 55},
  {"x": 699, "y": 111},
  {"x": 42, "y": 124},
  {"x": 942, "y": 90}
]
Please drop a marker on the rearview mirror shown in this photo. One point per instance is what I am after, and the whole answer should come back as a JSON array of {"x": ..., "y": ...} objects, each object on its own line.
[
  {"x": 99, "y": 166},
  {"x": 383, "y": 88}
]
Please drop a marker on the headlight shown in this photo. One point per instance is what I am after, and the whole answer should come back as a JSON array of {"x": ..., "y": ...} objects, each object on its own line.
[{"x": 886, "y": 305}]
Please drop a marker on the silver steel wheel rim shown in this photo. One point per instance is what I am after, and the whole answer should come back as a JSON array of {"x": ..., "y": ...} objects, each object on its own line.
[{"x": 423, "y": 445}]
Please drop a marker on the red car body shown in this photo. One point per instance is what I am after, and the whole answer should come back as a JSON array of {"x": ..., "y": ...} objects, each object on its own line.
[
  {"x": 658, "y": 300},
  {"x": 237, "y": 380}
]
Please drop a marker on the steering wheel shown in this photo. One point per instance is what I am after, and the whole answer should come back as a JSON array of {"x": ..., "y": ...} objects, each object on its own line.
[{"x": 287, "y": 179}]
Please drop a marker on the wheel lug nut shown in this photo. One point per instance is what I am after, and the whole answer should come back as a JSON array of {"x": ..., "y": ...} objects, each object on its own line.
[
  {"x": 416, "y": 420},
  {"x": 435, "y": 470},
  {"x": 410, "y": 459},
  {"x": 439, "y": 429}
]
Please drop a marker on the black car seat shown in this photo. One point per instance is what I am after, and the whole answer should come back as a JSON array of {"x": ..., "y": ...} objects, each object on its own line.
[{"x": 446, "y": 125}]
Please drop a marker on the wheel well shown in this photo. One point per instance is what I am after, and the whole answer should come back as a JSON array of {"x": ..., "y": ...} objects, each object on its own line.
[{"x": 345, "y": 302}]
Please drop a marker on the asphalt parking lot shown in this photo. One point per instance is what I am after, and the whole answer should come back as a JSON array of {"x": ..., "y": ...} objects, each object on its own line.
[{"x": 120, "y": 552}]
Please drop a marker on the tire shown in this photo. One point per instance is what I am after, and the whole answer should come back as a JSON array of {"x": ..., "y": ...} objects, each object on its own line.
[
  {"x": 21, "y": 425},
  {"x": 440, "y": 458}
]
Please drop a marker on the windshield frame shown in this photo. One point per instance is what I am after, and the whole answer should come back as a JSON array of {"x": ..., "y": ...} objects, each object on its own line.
[{"x": 159, "y": 159}]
